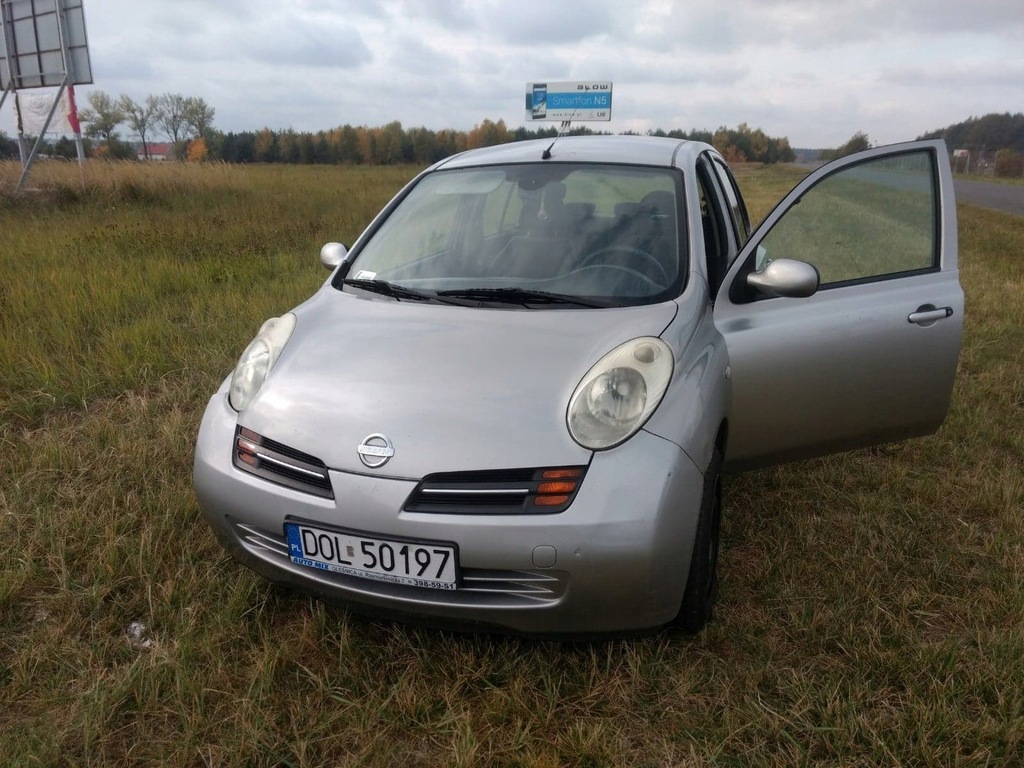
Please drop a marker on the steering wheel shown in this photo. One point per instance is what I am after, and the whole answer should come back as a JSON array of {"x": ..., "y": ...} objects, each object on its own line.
[{"x": 630, "y": 252}]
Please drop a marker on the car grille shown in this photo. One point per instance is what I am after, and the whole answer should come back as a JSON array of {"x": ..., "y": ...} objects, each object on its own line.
[
  {"x": 485, "y": 588},
  {"x": 280, "y": 464},
  {"x": 546, "y": 490}
]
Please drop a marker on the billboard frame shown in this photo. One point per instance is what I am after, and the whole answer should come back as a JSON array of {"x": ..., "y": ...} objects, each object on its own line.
[{"x": 43, "y": 45}]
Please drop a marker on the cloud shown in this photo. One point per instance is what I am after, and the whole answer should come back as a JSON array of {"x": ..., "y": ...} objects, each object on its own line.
[
  {"x": 1004, "y": 18},
  {"x": 968, "y": 76},
  {"x": 448, "y": 14},
  {"x": 545, "y": 23},
  {"x": 307, "y": 42},
  {"x": 814, "y": 70}
]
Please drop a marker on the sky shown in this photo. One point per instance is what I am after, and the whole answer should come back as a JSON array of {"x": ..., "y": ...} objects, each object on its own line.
[{"x": 815, "y": 71}]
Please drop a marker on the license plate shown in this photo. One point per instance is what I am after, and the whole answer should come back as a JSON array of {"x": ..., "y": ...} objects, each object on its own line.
[{"x": 414, "y": 563}]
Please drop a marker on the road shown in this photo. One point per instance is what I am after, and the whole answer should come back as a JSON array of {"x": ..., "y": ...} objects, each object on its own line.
[{"x": 1008, "y": 198}]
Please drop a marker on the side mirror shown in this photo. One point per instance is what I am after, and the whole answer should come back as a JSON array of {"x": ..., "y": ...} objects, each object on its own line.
[
  {"x": 332, "y": 254},
  {"x": 786, "y": 277}
]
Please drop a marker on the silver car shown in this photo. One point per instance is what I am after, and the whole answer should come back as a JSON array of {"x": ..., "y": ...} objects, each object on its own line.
[{"x": 511, "y": 403}]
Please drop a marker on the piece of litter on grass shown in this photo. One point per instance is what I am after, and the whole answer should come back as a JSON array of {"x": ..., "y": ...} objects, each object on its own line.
[{"x": 137, "y": 639}]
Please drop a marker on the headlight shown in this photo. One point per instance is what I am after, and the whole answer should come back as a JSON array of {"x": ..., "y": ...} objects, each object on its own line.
[
  {"x": 618, "y": 394},
  {"x": 257, "y": 360}
]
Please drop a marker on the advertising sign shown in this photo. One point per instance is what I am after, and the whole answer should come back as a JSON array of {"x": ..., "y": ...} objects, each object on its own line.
[{"x": 569, "y": 101}]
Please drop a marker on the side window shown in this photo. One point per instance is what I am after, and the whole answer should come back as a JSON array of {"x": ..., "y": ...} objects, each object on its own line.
[
  {"x": 866, "y": 222},
  {"x": 717, "y": 248},
  {"x": 737, "y": 209}
]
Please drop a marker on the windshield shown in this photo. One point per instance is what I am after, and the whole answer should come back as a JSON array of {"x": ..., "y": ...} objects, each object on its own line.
[{"x": 607, "y": 234}]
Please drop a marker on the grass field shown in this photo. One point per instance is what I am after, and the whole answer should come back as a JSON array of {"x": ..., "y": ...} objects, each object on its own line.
[{"x": 871, "y": 608}]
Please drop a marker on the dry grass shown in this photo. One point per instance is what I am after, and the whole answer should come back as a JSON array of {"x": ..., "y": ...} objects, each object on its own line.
[{"x": 872, "y": 604}]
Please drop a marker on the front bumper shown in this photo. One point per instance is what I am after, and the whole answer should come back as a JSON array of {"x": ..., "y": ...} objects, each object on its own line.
[{"x": 616, "y": 560}]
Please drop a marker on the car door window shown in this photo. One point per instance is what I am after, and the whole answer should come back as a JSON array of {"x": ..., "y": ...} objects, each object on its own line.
[
  {"x": 869, "y": 221},
  {"x": 718, "y": 251},
  {"x": 737, "y": 208}
]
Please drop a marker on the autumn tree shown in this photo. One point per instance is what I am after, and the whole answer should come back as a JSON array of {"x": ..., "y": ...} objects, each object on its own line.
[
  {"x": 197, "y": 151},
  {"x": 732, "y": 153},
  {"x": 488, "y": 134}
]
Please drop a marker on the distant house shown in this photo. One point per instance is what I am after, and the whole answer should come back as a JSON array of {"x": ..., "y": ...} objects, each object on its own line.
[{"x": 164, "y": 151}]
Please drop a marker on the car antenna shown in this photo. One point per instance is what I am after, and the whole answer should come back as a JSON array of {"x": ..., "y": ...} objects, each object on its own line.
[{"x": 546, "y": 154}]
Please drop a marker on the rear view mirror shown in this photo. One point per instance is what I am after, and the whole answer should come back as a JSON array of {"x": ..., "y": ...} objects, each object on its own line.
[
  {"x": 332, "y": 254},
  {"x": 786, "y": 277}
]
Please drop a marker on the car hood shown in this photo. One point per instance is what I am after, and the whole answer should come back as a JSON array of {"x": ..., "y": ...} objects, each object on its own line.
[{"x": 453, "y": 388}]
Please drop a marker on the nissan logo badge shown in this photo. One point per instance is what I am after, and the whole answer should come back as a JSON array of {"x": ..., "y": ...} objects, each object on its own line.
[{"x": 375, "y": 450}]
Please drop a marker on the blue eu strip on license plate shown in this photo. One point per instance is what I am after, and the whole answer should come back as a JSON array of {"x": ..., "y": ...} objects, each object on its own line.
[{"x": 413, "y": 563}]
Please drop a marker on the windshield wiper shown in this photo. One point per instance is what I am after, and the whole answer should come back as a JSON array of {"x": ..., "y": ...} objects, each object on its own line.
[
  {"x": 522, "y": 297},
  {"x": 397, "y": 292}
]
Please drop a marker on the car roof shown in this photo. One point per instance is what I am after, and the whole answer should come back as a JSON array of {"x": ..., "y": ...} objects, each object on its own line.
[{"x": 631, "y": 150}]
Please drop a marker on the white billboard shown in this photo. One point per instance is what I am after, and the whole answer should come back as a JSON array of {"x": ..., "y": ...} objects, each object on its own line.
[{"x": 569, "y": 101}]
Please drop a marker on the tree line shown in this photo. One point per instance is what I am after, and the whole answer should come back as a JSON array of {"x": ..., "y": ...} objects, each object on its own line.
[
  {"x": 187, "y": 123},
  {"x": 996, "y": 141},
  {"x": 989, "y": 132},
  {"x": 739, "y": 145},
  {"x": 393, "y": 144}
]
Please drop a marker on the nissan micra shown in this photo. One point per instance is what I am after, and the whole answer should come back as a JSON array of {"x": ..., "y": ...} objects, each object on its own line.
[{"x": 511, "y": 404}]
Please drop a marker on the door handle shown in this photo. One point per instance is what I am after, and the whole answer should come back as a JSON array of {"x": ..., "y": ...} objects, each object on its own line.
[{"x": 928, "y": 314}]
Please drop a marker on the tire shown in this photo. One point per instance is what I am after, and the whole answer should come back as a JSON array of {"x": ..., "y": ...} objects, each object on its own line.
[{"x": 702, "y": 581}]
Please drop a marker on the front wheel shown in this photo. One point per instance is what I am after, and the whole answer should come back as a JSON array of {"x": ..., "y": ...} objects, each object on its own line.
[{"x": 702, "y": 581}]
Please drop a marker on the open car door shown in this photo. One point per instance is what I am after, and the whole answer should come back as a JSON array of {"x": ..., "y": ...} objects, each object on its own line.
[{"x": 868, "y": 356}]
